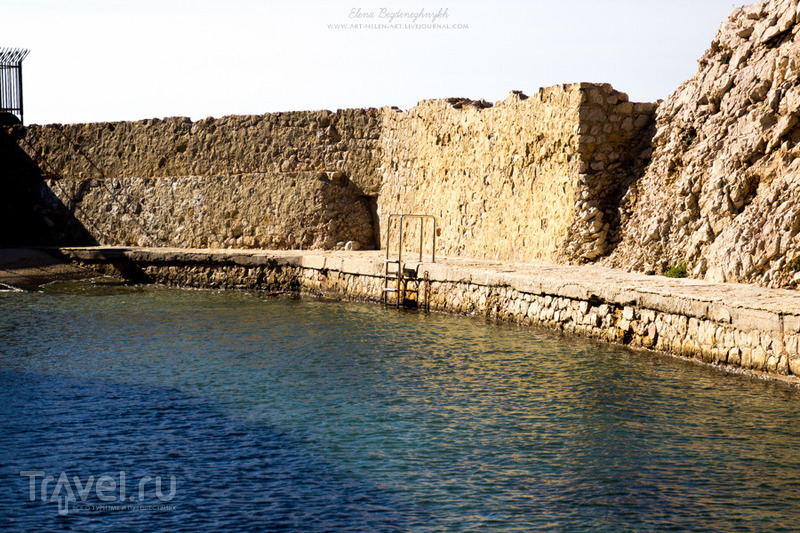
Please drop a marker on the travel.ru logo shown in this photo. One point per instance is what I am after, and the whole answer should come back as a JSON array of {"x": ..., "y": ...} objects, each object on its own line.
[{"x": 111, "y": 492}]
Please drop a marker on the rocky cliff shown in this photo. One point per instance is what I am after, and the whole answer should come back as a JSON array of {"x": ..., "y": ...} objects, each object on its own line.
[{"x": 722, "y": 191}]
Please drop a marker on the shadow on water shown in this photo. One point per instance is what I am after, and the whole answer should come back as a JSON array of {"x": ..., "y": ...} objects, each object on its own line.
[
  {"x": 230, "y": 475},
  {"x": 276, "y": 414}
]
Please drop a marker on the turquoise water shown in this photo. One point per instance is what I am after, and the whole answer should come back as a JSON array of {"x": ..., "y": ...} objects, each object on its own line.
[{"x": 287, "y": 415}]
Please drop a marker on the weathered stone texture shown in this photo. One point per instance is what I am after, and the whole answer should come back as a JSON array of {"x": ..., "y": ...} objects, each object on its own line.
[
  {"x": 530, "y": 178},
  {"x": 297, "y": 210},
  {"x": 284, "y": 181},
  {"x": 297, "y": 141},
  {"x": 723, "y": 190}
]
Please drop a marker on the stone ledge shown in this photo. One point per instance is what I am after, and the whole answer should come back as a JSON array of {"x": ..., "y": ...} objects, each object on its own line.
[
  {"x": 27, "y": 268},
  {"x": 738, "y": 326},
  {"x": 746, "y": 307}
]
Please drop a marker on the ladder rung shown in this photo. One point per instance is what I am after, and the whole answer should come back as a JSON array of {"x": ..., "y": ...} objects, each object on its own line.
[{"x": 387, "y": 289}]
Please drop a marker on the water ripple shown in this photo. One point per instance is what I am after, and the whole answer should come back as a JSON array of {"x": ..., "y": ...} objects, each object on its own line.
[{"x": 280, "y": 415}]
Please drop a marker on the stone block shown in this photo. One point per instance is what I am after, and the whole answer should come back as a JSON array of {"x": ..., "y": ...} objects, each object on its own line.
[
  {"x": 748, "y": 319},
  {"x": 758, "y": 359},
  {"x": 719, "y": 313},
  {"x": 791, "y": 324},
  {"x": 624, "y": 108},
  {"x": 628, "y": 313}
]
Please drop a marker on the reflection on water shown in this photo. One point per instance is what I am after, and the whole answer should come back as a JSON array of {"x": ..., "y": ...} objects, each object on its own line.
[{"x": 287, "y": 415}]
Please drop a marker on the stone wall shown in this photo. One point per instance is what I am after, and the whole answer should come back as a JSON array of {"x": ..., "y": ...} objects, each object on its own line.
[
  {"x": 20, "y": 224},
  {"x": 530, "y": 178},
  {"x": 283, "y": 180},
  {"x": 762, "y": 345},
  {"x": 279, "y": 211},
  {"x": 300, "y": 141},
  {"x": 527, "y": 179}
]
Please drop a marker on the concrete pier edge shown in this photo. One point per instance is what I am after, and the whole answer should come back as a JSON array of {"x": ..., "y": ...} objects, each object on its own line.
[{"x": 733, "y": 326}]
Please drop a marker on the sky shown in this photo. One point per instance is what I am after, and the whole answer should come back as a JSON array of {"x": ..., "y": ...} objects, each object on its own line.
[{"x": 108, "y": 60}]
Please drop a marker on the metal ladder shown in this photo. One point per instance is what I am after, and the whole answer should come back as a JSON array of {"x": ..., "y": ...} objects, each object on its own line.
[{"x": 399, "y": 279}]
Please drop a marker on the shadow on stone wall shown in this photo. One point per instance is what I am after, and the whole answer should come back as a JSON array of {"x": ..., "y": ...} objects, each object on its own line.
[
  {"x": 30, "y": 213},
  {"x": 618, "y": 203},
  {"x": 235, "y": 182},
  {"x": 371, "y": 203}
]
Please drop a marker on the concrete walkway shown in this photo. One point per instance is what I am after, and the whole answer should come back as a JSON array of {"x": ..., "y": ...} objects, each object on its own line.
[{"x": 745, "y": 307}]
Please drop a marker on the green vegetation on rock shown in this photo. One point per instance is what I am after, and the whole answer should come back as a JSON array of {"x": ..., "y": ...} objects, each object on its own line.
[{"x": 678, "y": 270}]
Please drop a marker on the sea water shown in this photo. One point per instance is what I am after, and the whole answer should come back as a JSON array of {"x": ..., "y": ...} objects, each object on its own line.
[{"x": 148, "y": 409}]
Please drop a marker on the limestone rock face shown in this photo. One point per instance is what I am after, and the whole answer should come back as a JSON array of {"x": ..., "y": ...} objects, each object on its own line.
[{"x": 723, "y": 191}]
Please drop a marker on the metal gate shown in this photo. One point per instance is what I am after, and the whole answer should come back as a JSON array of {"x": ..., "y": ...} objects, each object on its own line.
[{"x": 11, "y": 80}]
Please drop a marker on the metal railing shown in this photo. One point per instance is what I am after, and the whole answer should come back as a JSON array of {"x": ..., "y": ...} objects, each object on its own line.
[
  {"x": 403, "y": 276},
  {"x": 422, "y": 219},
  {"x": 11, "y": 80}
]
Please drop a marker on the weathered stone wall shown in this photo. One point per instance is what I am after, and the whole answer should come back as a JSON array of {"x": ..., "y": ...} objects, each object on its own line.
[
  {"x": 300, "y": 141},
  {"x": 723, "y": 190},
  {"x": 279, "y": 211},
  {"x": 530, "y": 178},
  {"x": 283, "y": 180},
  {"x": 763, "y": 346}
]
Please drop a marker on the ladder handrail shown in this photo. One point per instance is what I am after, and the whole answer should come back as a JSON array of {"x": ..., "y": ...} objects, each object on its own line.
[
  {"x": 399, "y": 276},
  {"x": 422, "y": 219}
]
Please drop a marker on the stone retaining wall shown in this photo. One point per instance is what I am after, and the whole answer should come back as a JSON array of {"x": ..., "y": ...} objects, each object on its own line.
[
  {"x": 299, "y": 141},
  {"x": 294, "y": 180},
  {"x": 761, "y": 346},
  {"x": 281, "y": 211}
]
